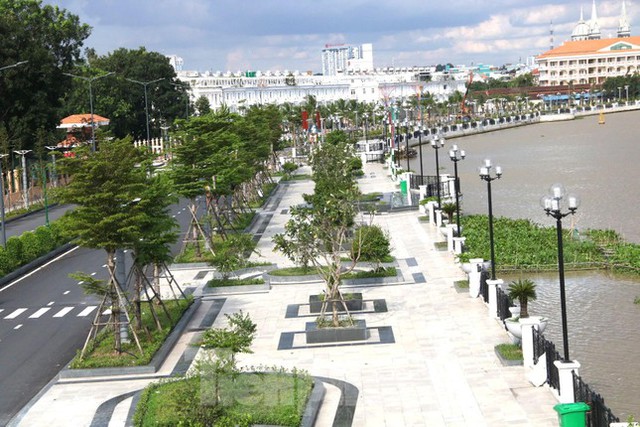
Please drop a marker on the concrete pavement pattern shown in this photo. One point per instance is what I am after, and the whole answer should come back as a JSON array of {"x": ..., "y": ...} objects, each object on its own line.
[{"x": 440, "y": 369}]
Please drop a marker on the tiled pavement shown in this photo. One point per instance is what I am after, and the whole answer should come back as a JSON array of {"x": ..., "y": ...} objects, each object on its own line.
[{"x": 439, "y": 369}]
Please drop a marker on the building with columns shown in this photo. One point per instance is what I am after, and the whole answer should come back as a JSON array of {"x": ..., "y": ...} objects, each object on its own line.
[{"x": 588, "y": 58}]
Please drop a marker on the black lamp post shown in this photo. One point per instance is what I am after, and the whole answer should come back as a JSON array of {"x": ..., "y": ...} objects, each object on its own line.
[
  {"x": 552, "y": 205},
  {"x": 485, "y": 174},
  {"x": 456, "y": 155},
  {"x": 406, "y": 140},
  {"x": 437, "y": 143},
  {"x": 420, "y": 130}
]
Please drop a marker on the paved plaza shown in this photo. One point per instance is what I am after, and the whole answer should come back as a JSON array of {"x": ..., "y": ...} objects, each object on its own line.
[{"x": 434, "y": 365}]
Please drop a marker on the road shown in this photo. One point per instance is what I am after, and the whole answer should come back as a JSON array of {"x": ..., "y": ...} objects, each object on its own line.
[
  {"x": 44, "y": 320},
  {"x": 16, "y": 227}
]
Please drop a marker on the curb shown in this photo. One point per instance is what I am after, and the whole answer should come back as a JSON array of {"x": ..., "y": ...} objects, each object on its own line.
[{"x": 156, "y": 362}]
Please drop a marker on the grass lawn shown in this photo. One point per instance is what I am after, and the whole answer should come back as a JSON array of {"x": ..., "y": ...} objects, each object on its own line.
[
  {"x": 510, "y": 351},
  {"x": 215, "y": 283},
  {"x": 101, "y": 352},
  {"x": 294, "y": 271},
  {"x": 248, "y": 399}
]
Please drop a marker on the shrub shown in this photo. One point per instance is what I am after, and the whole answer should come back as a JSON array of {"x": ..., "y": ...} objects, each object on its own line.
[
  {"x": 32, "y": 247},
  {"x": 372, "y": 243},
  {"x": 45, "y": 237},
  {"x": 6, "y": 262},
  {"x": 14, "y": 249}
]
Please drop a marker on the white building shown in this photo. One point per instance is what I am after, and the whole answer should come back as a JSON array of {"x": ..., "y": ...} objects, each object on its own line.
[
  {"x": 338, "y": 59},
  {"x": 238, "y": 90},
  {"x": 589, "y": 59}
]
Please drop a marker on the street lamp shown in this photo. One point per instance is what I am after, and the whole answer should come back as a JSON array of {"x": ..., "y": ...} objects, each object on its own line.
[
  {"x": 552, "y": 205},
  {"x": 626, "y": 89},
  {"x": 4, "y": 232},
  {"x": 619, "y": 92},
  {"x": 456, "y": 155},
  {"x": 25, "y": 194},
  {"x": 485, "y": 174},
  {"x": 437, "y": 143},
  {"x": 54, "y": 172},
  {"x": 146, "y": 106},
  {"x": 90, "y": 80}
]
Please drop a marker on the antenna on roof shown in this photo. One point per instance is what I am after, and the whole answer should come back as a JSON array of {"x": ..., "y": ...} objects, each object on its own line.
[{"x": 551, "y": 34}]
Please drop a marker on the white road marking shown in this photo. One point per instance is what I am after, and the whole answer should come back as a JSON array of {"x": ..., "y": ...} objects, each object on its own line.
[
  {"x": 39, "y": 312},
  {"x": 16, "y": 313},
  {"x": 106, "y": 312},
  {"x": 1, "y": 310},
  {"x": 18, "y": 326},
  {"x": 104, "y": 265},
  {"x": 63, "y": 312},
  {"x": 86, "y": 311},
  {"x": 65, "y": 292},
  {"x": 51, "y": 303},
  {"x": 94, "y": 273}
]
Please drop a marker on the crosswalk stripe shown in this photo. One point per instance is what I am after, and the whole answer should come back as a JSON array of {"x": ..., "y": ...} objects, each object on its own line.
[
  {"x": 39, "y": 312},
  {"x": 63, "y": 312},
  {"x": 86, "y": 311},
  {"x": 106, "y": 312},
  {"x": 15, "y": 313},
  {"x": 1, "y": 310}
]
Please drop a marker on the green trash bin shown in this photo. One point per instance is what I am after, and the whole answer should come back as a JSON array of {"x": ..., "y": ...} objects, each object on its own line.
[
  {"x": 572, "y": 414},
  {"x": 403, "y": 186}
]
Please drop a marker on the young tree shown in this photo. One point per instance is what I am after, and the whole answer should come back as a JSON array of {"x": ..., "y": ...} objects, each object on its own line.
[
  {"x": 318, "y": 231},
  {"x": 202, "y": 106},
  {"x": 105, "y": 187}
]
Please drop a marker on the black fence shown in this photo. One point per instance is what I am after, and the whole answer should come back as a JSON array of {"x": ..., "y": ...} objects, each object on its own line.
[
  {"x": 599, "y": 415},
  {"x": 432, "y": 185},
  {"x": 542, "y": 346},
  {"x": 504, "y": 302},
  {"x": 484, "y": 288}
]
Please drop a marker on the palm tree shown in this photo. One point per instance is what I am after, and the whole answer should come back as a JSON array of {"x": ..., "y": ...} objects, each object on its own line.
[
  {"x": 523, "y": 290},
  {"x": 449, "y": 209}
]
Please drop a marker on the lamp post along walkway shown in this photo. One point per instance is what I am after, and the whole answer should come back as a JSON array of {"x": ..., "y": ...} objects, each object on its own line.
[
  {"x": 456, "y": 155},
  {"x": 552, "y": 205},
  {"x": 485, "y": 175},
  {"x": 437, "y": 143}
]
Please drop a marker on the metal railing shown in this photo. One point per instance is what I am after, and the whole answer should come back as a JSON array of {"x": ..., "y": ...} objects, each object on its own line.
[
  {"x": 432, "y": 185},
  {"x": 484, "y": 288},
  {"x": 599, "y": 415},
  {"x": 504, "y": 302},
  {"x": 542, "y": 346}
]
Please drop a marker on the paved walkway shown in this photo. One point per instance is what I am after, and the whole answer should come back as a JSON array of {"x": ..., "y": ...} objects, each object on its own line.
[{"x": 436, "y": 368}]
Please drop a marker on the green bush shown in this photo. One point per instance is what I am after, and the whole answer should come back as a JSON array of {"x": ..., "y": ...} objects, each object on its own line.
[
  {"x": 46, "y": 238},
  {"x": 32, "y": 247},
  {"x": 372, "y": 243},
  {"x": 6, "y": 262},
  {"x": 14, "y": 249}
]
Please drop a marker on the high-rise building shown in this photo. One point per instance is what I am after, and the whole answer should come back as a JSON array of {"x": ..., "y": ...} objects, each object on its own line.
[{"x": 342, "y": 59}]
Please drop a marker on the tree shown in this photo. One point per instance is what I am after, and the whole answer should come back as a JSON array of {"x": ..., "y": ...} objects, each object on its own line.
[
  {"x": 105, "y": 187},
  {"x": 523, "y": 290},
  {"x": 317, "y": 232},
  {"x": 372, "y": 244},
  {"x": 202, "y": 105},
  {"x": 121, "y": 100},
  {"x": 50, "y": 39}
]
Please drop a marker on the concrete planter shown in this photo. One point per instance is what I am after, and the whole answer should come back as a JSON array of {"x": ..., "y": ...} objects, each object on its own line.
[
  {"x": 315, "y": 335},
  {"x": 515, "y": 328},
  {"x": 354, "y": 302}
]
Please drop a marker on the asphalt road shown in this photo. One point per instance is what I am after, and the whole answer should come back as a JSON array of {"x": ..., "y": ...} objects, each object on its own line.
[
  {"x": 44, "y": 319},
  {"x": 16, "y": 227}
]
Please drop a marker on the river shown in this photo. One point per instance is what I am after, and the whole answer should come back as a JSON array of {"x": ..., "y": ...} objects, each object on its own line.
[{"x": 599, "y": 164}]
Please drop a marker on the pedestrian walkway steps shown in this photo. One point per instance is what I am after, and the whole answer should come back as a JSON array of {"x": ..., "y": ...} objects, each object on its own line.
[{"x": 50, "y": 312}]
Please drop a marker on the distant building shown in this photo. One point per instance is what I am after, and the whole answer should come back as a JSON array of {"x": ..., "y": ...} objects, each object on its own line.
[
  {"x": 589, "y": 59},
  {"x": 339, "y": 59},
  {"x": 176, "y": 62}
]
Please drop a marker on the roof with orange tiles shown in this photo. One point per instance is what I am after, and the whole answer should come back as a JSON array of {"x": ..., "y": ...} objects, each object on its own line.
[
  {"x": 592, "y": 47},
  {"x": 81, "y": 120}
]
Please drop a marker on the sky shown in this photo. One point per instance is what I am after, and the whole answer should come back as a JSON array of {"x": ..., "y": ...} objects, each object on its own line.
[{"x": 233, "y": 35}]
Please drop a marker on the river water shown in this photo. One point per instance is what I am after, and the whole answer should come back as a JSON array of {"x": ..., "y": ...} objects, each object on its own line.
[{"x": 599, "y": 163}]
